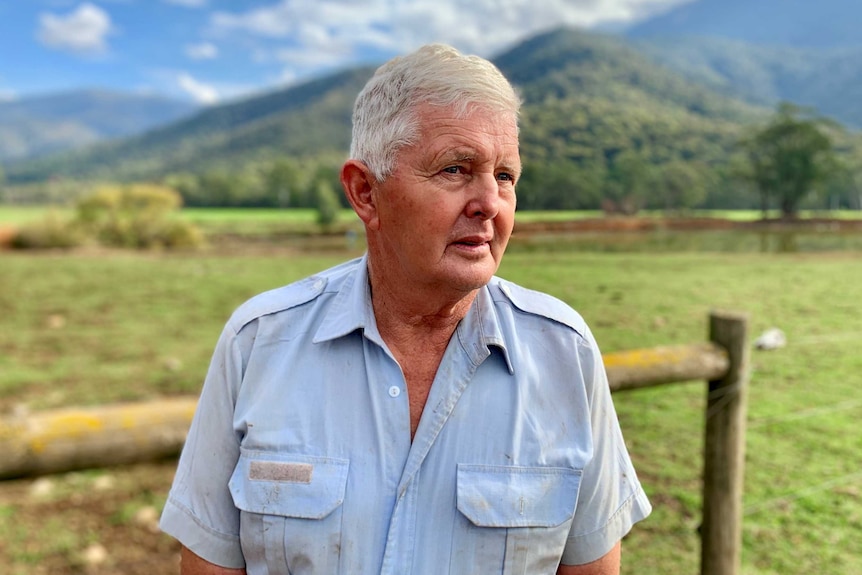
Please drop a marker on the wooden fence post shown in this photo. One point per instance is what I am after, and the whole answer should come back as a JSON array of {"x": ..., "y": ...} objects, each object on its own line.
[{"x": 724, "y": 451}]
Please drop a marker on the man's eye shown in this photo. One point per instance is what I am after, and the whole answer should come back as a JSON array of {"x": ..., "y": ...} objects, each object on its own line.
[
  {"x": 506, "y": 177},
  {"x": 452, "y": 170}
]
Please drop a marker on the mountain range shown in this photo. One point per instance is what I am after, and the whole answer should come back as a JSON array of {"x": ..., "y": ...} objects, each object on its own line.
[
  {"x": 39, "y": 125},
  {"x": 659, "y": 89},
  {"x": 585, "y": 95},
  {"x": 785, "y": 23}
]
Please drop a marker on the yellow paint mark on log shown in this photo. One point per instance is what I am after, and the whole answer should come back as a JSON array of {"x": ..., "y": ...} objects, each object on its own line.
[
  {"x": 62, "y": 426},
  {"x": 65, "y": 439},
  {"x": 645, "y": 358}
]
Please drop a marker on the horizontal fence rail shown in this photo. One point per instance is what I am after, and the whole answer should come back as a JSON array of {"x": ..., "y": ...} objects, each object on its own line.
[
  {"x": 78, "y": 438},
  {"x": 639, "y": 368}
]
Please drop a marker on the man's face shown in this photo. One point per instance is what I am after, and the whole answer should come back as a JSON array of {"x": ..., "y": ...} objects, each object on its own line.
[{"x": 446, "y": 213}]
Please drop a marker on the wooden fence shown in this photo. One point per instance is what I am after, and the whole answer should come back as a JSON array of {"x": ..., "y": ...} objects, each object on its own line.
[
  {"x": 724, "y": 363},
  {"x": 68, "y": 439}
]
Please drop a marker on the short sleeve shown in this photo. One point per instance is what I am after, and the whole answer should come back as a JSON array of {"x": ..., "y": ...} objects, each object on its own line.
[
  {"x": 199, "y": 511},
  {"x": 610, "y": 500}
]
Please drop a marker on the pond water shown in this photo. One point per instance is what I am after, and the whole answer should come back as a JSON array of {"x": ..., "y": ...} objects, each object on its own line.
[{"x": 737, "y": 240}]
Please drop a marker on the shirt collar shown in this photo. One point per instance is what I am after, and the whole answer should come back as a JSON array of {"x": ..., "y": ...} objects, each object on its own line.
[
  {"x": 480, "y": 330},
  {"x": 351, "y": 309}
]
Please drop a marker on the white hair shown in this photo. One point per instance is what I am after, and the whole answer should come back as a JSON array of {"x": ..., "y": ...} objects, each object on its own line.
[{"x": 384, "y": 115}]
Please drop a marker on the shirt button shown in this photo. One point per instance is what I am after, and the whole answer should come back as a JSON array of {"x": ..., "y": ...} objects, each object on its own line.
[{"x": 394, "y": 391}]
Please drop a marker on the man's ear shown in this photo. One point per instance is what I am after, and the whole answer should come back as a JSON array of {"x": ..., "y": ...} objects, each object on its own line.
[{"x": 358, "y": 183}]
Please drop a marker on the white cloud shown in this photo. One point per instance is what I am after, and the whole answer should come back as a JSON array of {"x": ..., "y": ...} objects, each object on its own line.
[
  {"x": 83, "y": 31},
  {"x": 315, "y": 34},
  {"x": 260, "y": 21},
  {"x": 202, "y": 51},
  {"x": 202, "y": 93},
  {"x": 7, "y": 95},
  {"x": 187, "y": 3}
]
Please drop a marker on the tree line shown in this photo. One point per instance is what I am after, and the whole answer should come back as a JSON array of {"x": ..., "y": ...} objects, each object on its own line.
[{"x": 795, "y": 160}]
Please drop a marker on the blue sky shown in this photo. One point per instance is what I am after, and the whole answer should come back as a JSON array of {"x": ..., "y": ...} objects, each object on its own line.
[{"x": 210, "y": 51}]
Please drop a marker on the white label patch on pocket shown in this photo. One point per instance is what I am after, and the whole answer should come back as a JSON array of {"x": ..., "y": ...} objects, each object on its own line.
[{"x": 279, "y": 471}]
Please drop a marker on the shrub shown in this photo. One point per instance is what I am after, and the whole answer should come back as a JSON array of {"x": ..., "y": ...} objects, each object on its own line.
[
  {"x": 126, "y": 216},
  {"x": 181, "y": 234},
  {"x": 136, "y": 216},
  {"x": 53, "y": 231}
]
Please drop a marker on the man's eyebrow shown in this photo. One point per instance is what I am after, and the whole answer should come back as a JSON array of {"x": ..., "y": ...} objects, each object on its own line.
[
  {"x": 468, "y": 154},
  {"x": 514, "y": 167},
  {"x": 459, "y": 155}
]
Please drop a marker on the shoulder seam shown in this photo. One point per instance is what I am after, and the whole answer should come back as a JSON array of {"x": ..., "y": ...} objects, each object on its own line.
[
  {"x": 543, "y": 305},
  {"x": 277, "y": 300}
]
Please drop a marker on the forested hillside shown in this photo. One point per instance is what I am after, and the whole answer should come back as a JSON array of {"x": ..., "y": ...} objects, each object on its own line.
[
  {"x": 598, "y": 116},
  {"x": 765, "y": 51},
  {"x": 587, "y": 98},
  {"x": 603, "y": 124},
  {"x": 306, "y": 120},
  {"x": 829, "y": 80}
]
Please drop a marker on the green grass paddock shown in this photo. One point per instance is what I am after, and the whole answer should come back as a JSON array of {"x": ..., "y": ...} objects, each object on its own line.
[
  {"x": 221, "y": 217},
  {"x": 98, "y": 327}
]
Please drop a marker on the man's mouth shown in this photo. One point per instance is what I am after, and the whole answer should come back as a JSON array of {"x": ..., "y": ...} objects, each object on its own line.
[
  {"x": 474, "y": 245},
  {"x": 472, "y": 241}
]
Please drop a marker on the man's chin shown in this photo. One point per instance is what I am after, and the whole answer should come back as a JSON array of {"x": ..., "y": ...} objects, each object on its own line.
[{"x": 472, "y": 278}]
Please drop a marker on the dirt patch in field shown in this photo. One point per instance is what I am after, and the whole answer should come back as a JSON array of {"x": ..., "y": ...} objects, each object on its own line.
[
  {"x": 96, "y": 522},
  {"x": 7, "y": 234}
]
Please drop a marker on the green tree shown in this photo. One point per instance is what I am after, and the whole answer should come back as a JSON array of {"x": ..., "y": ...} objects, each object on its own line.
[
  {"x": 682, "y": 185},
  {"x": 854, "y": 168},
  {"x": 559, "y": 185},
  {"x": 188, "y": 186},
  {"x": 326, "y": 202},
  {"x": 626, "y": 184},
  {"x": 283, "y": 182},
  {"x": 789, "y": 158}
]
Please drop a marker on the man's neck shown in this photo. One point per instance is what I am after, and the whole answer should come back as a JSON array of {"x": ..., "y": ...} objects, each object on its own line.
[
  {"x": 408, "y": 314},
  {"x": 410, "y": 317}
]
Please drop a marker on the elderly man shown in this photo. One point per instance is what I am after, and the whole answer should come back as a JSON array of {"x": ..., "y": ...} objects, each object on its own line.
[{"x": 409, "y": 412}]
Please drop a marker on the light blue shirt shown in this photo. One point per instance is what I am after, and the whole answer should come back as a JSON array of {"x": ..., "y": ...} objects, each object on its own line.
[{"x": 299, "y": 458}]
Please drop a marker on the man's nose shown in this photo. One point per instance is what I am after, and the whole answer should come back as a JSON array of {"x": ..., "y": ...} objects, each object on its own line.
[{"x": 484, "y": 201}]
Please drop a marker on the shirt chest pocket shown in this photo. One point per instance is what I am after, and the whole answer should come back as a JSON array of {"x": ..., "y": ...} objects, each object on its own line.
[
  {"x": 290, "y": 504},
  {"x": 517, "y": 517}
]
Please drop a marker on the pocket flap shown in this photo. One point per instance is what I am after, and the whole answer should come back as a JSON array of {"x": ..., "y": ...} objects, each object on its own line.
[
  {"x": 289, "y": 485},
  {"x": 501, "y": 496}
]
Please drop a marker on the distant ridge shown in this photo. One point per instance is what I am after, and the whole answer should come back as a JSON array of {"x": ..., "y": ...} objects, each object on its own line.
[
  {"x": 47, "y": 123},
  {"x": 308, "y": 119},
  {"x": 587, "y": 97},
  {"x": 828, "y": 80},
  {"x": 573, "y": 64},
  {"x": 788, "y": 23}
]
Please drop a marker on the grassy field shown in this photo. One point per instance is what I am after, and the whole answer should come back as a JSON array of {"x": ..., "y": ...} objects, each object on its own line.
[
  {"x": 249, "y": 219},
  {"x": 95, "y": 327}
]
